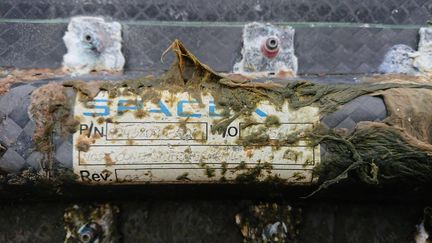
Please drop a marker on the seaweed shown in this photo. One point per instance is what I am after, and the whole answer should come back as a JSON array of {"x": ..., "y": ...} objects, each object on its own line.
[{"x": 396, "y": 149}]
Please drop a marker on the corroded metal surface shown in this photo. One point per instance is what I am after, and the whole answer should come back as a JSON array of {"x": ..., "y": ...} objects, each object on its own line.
[
  {"x": 269, "y": 222},
  {"x": 403, "y": 59},
  {"x": 267, "y": 51},
  {"x": 91, "y": 223},
  {"x": 18, "y": 125},
  {"x": 94, "y": 45},
  {"x": 28, "y": 158}
]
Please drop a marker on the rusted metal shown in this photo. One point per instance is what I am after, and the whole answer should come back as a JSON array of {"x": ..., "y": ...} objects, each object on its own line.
[{"x": 10, "y": 76}]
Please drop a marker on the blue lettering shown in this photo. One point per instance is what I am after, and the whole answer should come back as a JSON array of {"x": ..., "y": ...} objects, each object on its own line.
[
  {"x": 124, "y": 106},
  {"x": 162, "y": 109},
  {"x": 212, "y": 109},
  {"x": 260, "y": 113},
  {"x": 180, "y": 111},
  {"x": 105, "y": 108}
]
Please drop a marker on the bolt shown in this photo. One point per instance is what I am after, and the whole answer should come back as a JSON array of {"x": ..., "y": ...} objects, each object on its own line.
[
  {"x": 93, "y": 42},
  {"x": 272, "y": 43},
  {"x": 270, "y": 47},
  {"x": 88, "y": 232},
  {"x": 88, "y": 38}
]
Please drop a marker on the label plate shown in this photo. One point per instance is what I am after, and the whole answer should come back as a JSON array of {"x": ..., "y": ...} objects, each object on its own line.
[{"x": 128, "y": 140}]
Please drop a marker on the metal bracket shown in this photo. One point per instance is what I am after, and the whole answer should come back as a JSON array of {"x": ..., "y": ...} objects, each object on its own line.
[
  {"x": 268, "y": 51},
  {"x": 403, "y": 59},
  {"x": 93, "y": 44},
  {"x": 269, "y": 222},
  {"x": 96, "y": 224}
]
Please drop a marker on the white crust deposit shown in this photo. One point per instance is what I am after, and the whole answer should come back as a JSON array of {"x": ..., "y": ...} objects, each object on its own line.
[{"x": 93, "y": 44}]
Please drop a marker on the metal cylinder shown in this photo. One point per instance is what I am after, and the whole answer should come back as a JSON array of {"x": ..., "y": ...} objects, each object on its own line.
[{"x": 170, "y": 140}]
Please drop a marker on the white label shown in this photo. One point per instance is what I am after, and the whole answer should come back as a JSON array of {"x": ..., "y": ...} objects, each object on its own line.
[{"x": 128, "y": 140}]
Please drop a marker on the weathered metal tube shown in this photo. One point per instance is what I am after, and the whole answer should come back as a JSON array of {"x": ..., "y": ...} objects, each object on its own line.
[
  {"x": 168, "y": 140},
  {"x": 196, "y": 126}
]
